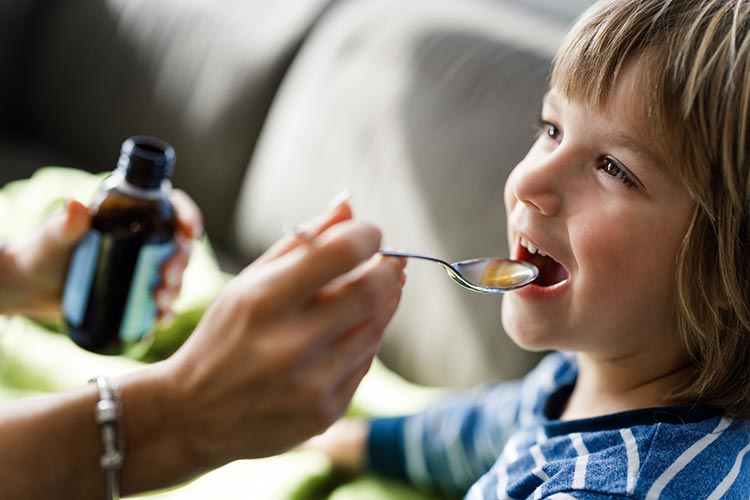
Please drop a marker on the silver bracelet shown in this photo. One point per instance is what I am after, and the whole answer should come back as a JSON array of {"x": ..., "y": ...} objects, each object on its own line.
[{"x": 108, "y": 415}]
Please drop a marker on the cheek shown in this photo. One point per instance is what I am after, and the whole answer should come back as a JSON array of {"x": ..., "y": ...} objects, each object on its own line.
[
  {"x": 603, "y": 257},
  {"x": 627, "y": 263}
]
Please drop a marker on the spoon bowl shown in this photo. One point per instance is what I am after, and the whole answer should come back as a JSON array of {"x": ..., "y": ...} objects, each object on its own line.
[{"x": 485, "y": 275}]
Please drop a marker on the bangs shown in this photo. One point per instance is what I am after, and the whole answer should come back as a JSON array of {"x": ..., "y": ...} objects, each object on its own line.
[
  {"x": 595, "y": 51},
  {"x": 694, "y": 63},
  {"x": 609, "y": 38}
]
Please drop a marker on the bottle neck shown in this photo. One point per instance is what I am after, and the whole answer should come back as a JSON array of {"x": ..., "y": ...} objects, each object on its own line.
[
  {"x": 119, "y": 181},
  {"x": 145, "y": 161}
]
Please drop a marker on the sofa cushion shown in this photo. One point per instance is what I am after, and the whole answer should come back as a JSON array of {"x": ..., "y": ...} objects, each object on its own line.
[
  {"x": 421, "y": 109},
  {"x": 200, "y": 74}
]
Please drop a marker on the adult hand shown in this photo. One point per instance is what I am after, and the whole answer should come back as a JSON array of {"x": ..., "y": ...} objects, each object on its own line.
[
  {"x": 36, "y": 268},
  {"x": 277, "y": 357}
]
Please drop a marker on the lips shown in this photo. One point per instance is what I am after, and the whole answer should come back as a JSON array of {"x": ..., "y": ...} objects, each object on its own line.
[{"x": 551, "y": 272}]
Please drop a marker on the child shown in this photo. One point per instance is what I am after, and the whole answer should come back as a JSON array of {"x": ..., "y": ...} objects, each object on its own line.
[{"x": 635, "y": 204}]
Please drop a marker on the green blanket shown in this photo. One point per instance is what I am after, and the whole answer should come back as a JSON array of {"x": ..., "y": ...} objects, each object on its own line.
[{"x": 35, "y": 359}]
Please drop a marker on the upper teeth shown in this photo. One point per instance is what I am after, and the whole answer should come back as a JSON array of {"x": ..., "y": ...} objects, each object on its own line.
[{"x": 531, "y": 247}]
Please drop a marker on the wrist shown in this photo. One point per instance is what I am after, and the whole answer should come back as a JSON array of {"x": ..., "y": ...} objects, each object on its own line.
[
  {"x": 156, "y": 451},
  {"x": 194, "y": 429}
]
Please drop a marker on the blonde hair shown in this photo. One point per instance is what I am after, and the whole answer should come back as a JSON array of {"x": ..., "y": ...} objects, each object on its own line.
[{"x": 695, "y": 56}]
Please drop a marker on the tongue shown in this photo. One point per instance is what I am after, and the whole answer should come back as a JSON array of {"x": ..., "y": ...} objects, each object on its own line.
[{"x": 550, "y": 272}]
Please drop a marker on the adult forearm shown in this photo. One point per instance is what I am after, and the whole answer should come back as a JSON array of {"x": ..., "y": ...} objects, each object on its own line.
[{"x": 50, "y": 445}]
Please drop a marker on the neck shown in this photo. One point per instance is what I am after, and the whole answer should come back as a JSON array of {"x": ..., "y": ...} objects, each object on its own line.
[{"x": 611, "y": 385}]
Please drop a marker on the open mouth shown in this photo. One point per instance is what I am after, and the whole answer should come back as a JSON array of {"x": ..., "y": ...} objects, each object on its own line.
[{"x": 551, "y": 272}]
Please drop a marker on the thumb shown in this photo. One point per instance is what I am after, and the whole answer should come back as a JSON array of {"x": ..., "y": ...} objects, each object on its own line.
[
  {"x": 42, "y": 260},
  {"x": 69, "y": 227},
  {"x": 77, "y": 221}
]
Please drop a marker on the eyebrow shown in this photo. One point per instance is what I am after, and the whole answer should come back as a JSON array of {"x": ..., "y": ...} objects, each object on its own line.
[
  {"x": 641, "y": 149},
  {"x": 618, "y": 139}
]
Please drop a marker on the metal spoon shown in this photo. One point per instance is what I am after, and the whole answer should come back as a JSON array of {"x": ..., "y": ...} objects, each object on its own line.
[{"x": 486, "y": 275}]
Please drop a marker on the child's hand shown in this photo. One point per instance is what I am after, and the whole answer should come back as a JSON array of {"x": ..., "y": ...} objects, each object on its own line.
[
  {"x": 32, "y": 274},
  {"x": 344, "y": 443}
]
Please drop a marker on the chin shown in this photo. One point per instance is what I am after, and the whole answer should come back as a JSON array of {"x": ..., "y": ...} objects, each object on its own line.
[
  {"x": 529, "y": 336},
  {"x": 532, "y": 343}
]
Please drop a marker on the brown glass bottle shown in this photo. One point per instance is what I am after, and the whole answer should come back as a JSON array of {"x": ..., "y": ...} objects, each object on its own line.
[{"x": 108, "y": 301}]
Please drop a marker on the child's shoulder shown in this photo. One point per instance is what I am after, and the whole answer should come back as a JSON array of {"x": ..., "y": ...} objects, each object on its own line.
[
  {"x": 702, "y": 453},
  {"x": 706, "y": 456},
  {"x": 677, "y": 451}
]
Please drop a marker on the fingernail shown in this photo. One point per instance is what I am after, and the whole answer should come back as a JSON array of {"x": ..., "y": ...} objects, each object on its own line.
[
  {"x": 338, "y": 200},
  {"x": 403, "y": 277}
]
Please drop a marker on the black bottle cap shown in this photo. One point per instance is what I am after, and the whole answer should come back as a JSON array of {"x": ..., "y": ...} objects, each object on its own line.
[{"x": 146, "y": 161}]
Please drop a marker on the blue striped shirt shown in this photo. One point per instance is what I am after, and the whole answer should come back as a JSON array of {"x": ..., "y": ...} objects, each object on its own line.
[{"x": 499, "y": 442}]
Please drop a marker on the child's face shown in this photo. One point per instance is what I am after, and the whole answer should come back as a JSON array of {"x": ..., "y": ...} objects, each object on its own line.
[{"x": 592, "y": 193}]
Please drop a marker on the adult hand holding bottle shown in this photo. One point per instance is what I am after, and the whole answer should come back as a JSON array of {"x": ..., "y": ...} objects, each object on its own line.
[
  {"x": 32, "y": 274},
  {"x": 274, "y": 360}
]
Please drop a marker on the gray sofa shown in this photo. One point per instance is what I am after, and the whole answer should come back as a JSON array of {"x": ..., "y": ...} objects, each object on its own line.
[{"x": 419, "y": 107}]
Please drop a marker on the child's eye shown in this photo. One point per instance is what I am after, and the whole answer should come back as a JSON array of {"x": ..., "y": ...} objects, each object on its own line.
[
  {"x": 549, "y": 130},
  {"x": 613, "y": 168}
]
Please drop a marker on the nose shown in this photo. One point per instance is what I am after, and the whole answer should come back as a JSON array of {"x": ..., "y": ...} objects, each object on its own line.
[{"x": 537, "y": 185}]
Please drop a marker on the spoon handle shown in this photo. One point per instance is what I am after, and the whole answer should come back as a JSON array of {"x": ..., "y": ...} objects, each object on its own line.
[
  {"x": 452, "y": 271},
  {"x": 396, "y": 253}
]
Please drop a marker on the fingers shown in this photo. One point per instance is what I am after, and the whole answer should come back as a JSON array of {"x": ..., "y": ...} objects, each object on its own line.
[
  {"x": 58, "y": 236},
  {"x": 63, "y": 231},
  {"x": 189, "y": 227},
  {"x": 356, "y": 350},
  {"x": 295, "y": 277},
  {"x": 171, "y": 281},
  {"x": 189, "y": 218},
  {"x": 77, "y": 221},
  {"x": 339, "y": 210},
  {"x": 347, "y": 356},
  {"x": 333, "y": 373},
  {"x": 346, "y": 303}
]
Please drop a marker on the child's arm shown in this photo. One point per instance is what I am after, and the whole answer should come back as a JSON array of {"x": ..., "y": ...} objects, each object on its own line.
[{"x": 447, "y": 447}]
